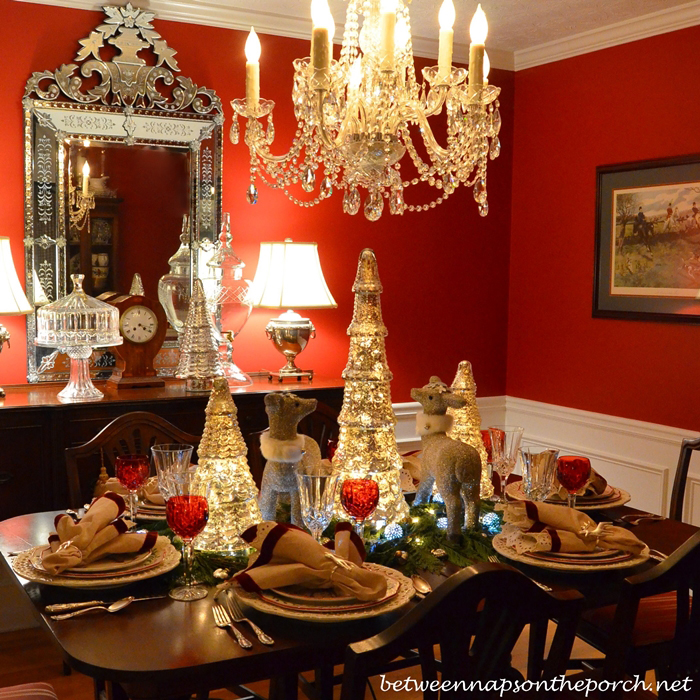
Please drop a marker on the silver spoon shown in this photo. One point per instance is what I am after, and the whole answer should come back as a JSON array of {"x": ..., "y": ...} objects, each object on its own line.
[
  {"x": 421, "y": 585},
  {"x": 114, "y": 607}
]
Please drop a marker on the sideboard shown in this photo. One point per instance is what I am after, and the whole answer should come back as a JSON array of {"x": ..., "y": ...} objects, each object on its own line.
[{"x": 35, "y": 429}]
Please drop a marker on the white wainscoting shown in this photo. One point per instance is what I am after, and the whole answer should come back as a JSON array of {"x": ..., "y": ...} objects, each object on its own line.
[{"x": 636, "y": 456}]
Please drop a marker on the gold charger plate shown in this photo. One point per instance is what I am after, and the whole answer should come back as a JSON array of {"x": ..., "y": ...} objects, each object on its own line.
[
  {"x": 515, "y": 491},
  {"x": 403, "y": 594},
  {"x": 22, "y": 565},
  {"x": 499, "y": 544}
]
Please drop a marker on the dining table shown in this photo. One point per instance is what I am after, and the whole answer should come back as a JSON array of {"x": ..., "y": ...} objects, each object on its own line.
[{"x": 163, "y": 648}]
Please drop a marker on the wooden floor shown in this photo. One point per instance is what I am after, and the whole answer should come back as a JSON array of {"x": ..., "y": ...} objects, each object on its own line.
[{"x": 28, "y": 656}]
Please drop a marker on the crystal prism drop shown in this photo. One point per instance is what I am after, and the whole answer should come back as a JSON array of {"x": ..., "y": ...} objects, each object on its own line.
[
  {"x": 374, "y": 204},
  {"x": 326, "y": 187},
  {"x": 234, "y": 134},
  {"x": 252, "y": 194},
  {"x": 484, "y": 209},
  {"x": 396, "y": 204},
  {"x": 480, "y": 190},
  {"x": 270, "y": 136},
  {"x": 448, "y": 183},
  {"x": 351, "y": 201},
  {"x": 308, "y": 180},
  {"x": 496, "y": 121},
  {"x": 495, "y": 148}
]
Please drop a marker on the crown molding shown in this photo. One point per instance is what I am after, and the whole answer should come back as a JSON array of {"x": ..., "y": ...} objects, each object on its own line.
[
  {"x": 219, "y": 13},
  {"x": 661, "y": 22}
]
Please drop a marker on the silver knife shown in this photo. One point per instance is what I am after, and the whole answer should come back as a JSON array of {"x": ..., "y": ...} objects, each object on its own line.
[{"x": 62, "y": 607}]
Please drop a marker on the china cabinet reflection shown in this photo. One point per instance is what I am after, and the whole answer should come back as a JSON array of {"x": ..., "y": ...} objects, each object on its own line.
[{"x": 93, "y": 251}]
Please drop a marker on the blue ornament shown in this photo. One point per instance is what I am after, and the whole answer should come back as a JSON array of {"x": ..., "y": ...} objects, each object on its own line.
[
  {"x": 491, "y": 523},
  {"x": 442, "y": 523},
  {"x": 393, "y": 531},
  {"x": 437, "y": 498}
]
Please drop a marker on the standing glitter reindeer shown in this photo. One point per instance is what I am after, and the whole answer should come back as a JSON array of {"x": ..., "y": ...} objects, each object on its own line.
[{"x": 455, "y": 466}]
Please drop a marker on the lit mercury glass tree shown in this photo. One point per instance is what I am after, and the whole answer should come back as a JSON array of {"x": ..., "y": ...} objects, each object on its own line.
[
  {"x": 367, "y": 440},
  {"x": 233, "y": 498},
  {"x": 466, "y": 424}
]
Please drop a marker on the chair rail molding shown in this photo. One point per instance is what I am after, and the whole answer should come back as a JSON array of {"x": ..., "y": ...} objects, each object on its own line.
[{"x": 637, "y": 456}]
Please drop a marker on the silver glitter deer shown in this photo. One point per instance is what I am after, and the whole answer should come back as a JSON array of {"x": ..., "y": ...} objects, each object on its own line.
[{"x": 453, "y": 465}]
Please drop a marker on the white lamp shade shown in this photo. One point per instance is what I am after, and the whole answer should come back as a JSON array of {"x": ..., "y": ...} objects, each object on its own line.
[
  {"x": 289, "y": 276},
  {"x": 13, "y": 302}
]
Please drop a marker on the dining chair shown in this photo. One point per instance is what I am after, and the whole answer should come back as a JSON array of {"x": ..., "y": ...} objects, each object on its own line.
[
  {"x": 654, "y": 625},
  {"x": 476, "y": 617},
  {"x": 678, "y": 494},
  {"x": 29, "y": 691},
  {"x": 321, "y": 425},
  {"x": 132, "y": 433}
]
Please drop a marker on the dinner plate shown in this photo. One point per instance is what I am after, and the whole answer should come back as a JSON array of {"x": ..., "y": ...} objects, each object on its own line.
[
  {"x": 22, "y": 565},
  {"x": 618, "y": 498},
  {"x": 116, "y": 563},
  {"x": 311, "y": 605},
  {"x": 311, "y": 596},
  {"x": 404, "y": 593},
  {"x": 500, "y": 545},
  {"x": 600, "y": 560},
  {"x": 151, "y": 559}
]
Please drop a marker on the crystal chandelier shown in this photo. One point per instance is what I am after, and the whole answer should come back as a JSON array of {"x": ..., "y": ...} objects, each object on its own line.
[{"x": 354, "y": 114}]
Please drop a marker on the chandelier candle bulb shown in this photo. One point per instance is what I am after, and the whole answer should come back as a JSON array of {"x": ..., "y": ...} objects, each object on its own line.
[
  {"x": 387, "y": 28},
  {"x": 252, "y": 70},
  {"x": 321, "y": 38},
  {"x": 86, "y": 178},
  {"x": 446, "y": 17},
  {"x": 478, "y": 29}
]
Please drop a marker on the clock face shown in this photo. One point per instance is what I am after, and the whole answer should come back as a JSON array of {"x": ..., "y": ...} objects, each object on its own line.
[{"x": 139, "y": 324}]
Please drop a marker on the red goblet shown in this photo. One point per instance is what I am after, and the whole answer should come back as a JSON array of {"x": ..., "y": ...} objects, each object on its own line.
[
  {"x": 131, "y": 472},
  {"x": 573, "y": 474},
  {"x": 359, "y": 497},
  {"x": 187, "y": 513}
]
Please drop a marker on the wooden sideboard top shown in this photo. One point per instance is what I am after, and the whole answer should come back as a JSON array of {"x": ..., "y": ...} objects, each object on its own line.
[{"x": 46, "y": 394}]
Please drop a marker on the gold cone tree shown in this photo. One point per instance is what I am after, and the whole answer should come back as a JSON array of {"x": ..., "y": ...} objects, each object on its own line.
[
  {"x": 233, "y": 498},
  {"x": 367, "y": 439},
  {"x": 466, "y": 421}
]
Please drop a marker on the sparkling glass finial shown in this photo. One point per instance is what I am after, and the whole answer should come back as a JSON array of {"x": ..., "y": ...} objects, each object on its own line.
[
  {"x": 374, "y": 205},
  {"x": 351, "y": 201}
]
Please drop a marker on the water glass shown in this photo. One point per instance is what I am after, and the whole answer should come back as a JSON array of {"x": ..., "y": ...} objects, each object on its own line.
[
  {"x": 187, "y": 513},
  {"x": 170, "y": 458},
  {"x": 539, "y": 467},
  {"x": 505, "y": 443},
  {"x": 317, "y": 495}
]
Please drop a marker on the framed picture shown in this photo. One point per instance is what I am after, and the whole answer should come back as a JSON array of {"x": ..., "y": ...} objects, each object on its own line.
[{"x": 647, "y": 264}]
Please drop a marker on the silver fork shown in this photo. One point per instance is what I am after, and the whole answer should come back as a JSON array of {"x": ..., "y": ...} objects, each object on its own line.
[
  {"x": 238, "y": 616},
  {"x": 222, "y": 619},
  {"x": 494, "y": 560}
]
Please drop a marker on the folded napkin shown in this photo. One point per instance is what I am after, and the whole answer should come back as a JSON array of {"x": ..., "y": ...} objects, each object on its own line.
[
  {"x": 545, "y": 527},
  {"x": 152, "y": 493},
  {"x": 595, "y": 486},
  {"x": 286, "y": 555},
  {"x": 98, "y": 534},
  {"x": 110, "y": 484}
]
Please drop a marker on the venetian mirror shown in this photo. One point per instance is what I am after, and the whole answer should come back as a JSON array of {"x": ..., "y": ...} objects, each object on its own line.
[{"x": 118, "y": 148}]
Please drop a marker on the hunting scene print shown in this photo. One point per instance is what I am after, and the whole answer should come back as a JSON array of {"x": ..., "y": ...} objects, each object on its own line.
[{"x": 656, "y": 251}]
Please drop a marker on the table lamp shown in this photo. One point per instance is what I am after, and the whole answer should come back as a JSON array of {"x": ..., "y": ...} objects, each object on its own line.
[
  {"x": 289, "y": 275},
  {"x": 13, "y": 302}
]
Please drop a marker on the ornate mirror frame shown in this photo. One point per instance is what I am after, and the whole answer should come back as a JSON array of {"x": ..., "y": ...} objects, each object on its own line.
[{"x": 127, "y": 99}]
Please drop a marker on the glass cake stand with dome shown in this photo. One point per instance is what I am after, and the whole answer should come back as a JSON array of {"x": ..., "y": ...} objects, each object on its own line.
[{"x": 76, "y": 324}]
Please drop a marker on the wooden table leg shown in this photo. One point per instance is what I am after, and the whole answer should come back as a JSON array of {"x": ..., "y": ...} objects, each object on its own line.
[{"x": 284, "y": 687}]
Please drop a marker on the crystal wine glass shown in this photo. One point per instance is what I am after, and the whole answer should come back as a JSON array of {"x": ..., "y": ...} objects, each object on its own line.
[
  {"x": 505, "y": 443},
  {"x": 539, "y": 465},
  {"x": 359, "y": 497},
  {"x": 170, "y": 458},
  {"x": 317, "y": 495},
  {"x": 187, "y": 513},
  {"x": 573, "y": 474},
  {"x": 131, "y": 472}
]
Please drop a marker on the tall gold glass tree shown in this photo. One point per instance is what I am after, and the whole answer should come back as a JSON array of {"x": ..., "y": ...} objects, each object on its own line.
[
  {"x": 367, "y": 439},
  {"x": 233, "y": 498}
]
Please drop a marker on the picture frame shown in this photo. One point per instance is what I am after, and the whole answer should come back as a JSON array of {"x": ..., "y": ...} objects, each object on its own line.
[{"x": 647, "y": 240}]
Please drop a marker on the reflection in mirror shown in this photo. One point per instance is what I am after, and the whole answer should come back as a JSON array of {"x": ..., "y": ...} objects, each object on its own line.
[{"x": 152, "y": 140}]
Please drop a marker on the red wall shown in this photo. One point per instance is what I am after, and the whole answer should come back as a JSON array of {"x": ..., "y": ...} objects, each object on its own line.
[
  {"x": 445, "y": 271},
  {"x": 632, "y": 102}
]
